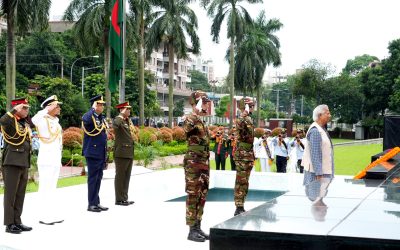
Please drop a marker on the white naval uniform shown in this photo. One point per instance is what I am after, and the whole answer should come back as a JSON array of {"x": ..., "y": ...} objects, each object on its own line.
[
  {"x": 261, "y": 153},
  {"x": 49, "y": 163}
]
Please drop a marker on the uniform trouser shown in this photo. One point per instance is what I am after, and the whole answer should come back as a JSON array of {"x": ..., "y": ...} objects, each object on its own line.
[
  {"x": 233, "y": 165},
  {"x": 15, "y": 180},
  {"x": 281, "y": 163},
  {"x": 299, "y": 166},
  {"x": 265, "y": 167},
  {"x": 48, "y": 178},
  {"x": 243, "y": 169},
  {"x": 95, "y": 174},
  {"x": 123, "y": 169},
  {"x": 220, "y": 161},
  {"x": 197, "y": 181}
]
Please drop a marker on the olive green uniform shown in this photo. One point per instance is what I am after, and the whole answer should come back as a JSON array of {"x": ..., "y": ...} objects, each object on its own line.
[{"x": 123, "y": 156}]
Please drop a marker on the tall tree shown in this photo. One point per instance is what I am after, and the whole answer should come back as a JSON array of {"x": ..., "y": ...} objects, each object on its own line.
[
  {"x": 356, "y": 65},
  {"x": 238, "y": 20},
  {"x": 141, "y": 10},
  {"x": 172, "y": 22},
  {"x": 22, "y": 17},
  {"x": 92, "y": 30},
  {"x": 259, "y": 48}
]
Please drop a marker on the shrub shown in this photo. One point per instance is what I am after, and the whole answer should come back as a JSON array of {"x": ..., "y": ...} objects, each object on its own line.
[
  {"x": 212, "y": 128},
  {"x": 167, "y": 150},
  {"x": 258, "y": 132},
  {"x": 72, "y": 139},
  {"x": 74, "y": 129},
  {"x": 151, "y": 129},
  {"x": 166, "y": 129},
  {"x": 276, "y": 131},
  {"x": 146, "y": 137},
  {"x": 178, "y": 134},
  {"x": 166, "y": 137},
  {"x": 145, "y": 154},
  {"x": 173, "y": 143}
]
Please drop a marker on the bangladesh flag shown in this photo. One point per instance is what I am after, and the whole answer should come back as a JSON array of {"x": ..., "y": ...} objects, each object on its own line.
[{"x": 116, "y": 45}]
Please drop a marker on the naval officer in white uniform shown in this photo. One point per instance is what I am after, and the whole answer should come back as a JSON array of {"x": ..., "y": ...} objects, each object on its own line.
[{"x": 49, "y": 158}]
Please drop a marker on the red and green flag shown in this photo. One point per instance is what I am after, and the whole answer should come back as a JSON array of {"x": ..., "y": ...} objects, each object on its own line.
[{"x": 116, "y": 44}]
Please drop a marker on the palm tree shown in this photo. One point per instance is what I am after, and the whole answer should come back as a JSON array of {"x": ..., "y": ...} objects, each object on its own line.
[
  {"x": 258, "y": 49},
  {"x": 171, "y": 24},
  {"x": 238, "y": 21},
  {"x": 22, "y": 16},
  {"x": 91, "y": 31},
  {"x": 141, "y": 10}
]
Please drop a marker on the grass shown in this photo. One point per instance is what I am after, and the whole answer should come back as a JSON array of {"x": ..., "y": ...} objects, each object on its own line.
[
  {"x": 349, "y": 160},
  {"x": 63, "y": 182}
]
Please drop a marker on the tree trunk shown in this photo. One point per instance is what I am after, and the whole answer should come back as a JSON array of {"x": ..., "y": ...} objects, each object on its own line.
[
  {"x": 171, "y": 83},
  {"x": 10, "y": 59},
  {"x": 258, "y": 106},
  {"x": 232, "y": 80},
  {"x": 141, "y": 72}
]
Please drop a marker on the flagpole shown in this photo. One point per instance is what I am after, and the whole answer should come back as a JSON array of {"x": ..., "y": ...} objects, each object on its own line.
[{"x": 122, "y": 85}]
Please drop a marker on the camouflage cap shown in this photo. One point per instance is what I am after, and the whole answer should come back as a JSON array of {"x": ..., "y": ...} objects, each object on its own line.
[
  {"x": 244, "y": 101},
  {"x": 196, "y": 95}
]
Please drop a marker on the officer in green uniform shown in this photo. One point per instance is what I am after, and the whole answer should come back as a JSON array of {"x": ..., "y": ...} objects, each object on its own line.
[
  {"x": 220, "y": 148},
  {"x": 123, "y": 153},
  {"x": 244, "y": 155},
  {"x": 16, "y": 161},
  {"x": 196, "y": 164}
]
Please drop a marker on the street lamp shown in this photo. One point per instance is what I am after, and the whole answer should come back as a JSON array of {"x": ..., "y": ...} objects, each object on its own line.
[
  {"x": 83, "y": 75},
  {"x": 96, "y": 56}
]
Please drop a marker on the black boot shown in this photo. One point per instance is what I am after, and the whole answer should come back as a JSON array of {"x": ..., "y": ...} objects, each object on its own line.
[
  {"x": 201, "y": 232},
  {"x": 194, "y": 235},
  {"x": 239, "y": 210}
]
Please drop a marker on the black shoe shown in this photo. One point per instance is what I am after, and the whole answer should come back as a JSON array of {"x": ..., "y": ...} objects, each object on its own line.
[
  {"x": 130, "y": 202},
  {"x": 194, "y": 235},
  {"x": 239, "y": 210},
  {"x": 93, "y": 209},
  {"x": 122, "y": 203},
  {"x": 23, "y": 227},
  {"x": 59, "y": 221},
  {"x": 201, "y": 232},
  {"x": 46, "y": 223},
  {"x": 102, "y": 208},
  {"x": 13, "y": 229}
]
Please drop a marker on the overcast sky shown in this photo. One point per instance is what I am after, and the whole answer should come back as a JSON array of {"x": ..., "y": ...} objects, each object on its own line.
[{"x": 331, "y": 31}]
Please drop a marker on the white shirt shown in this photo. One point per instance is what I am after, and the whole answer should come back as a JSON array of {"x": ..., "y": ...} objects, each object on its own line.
[
  {"x": 259, "y": 148},
  {"x": 299, "y": 149},
  {"x": 50, "y": 138},
  {"x": 281, "y": 150}
]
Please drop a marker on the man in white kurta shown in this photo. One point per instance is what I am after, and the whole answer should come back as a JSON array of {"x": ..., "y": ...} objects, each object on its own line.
[
  {"x": 263, "y": 150},
  {"x": 49, "y": 158}
]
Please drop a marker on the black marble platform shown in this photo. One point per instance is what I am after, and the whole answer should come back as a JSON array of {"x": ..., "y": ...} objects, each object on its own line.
[
  {"x": 338, "y": 214},
  {"x": 382, "y": 171}
]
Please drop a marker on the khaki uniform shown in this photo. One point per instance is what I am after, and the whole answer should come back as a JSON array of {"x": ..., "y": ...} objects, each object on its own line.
[
  {"x": 123, "y": 156},
  {"x": 244, "y": 158},
  {"x": 16, "y": 161},
  {"x": 197, "y": 168}
]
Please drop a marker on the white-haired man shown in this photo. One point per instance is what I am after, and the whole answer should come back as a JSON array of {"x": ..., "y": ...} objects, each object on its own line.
[{"x": 318, "y": 152}]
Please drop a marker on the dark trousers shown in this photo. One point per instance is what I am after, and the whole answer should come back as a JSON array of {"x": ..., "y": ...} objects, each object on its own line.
[
  {"x": 123, "y": 169},
  {"x": 95, "y": 169},
  {"x": 299, "y": 166},
  {"x": 281, "y": 163},
  {"x": 233, "y": 165},
  {"x": 220, "y": 160},
  {"x": 15, "y": 180}
]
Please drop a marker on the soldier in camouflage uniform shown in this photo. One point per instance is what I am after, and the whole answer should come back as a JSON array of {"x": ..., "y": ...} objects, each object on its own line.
[
  {"x": 196, "y": 164},
  {"x": 244, "y": 155}
]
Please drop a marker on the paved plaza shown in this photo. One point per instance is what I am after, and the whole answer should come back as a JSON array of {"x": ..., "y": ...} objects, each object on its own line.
[{"x": 151, "y": 223}]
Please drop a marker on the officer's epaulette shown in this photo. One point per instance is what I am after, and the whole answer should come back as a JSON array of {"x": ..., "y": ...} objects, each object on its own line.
[{"x": 9, "y": 114}]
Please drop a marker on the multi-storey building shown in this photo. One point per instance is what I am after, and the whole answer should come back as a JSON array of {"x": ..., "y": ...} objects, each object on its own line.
[{"x": 205, "y": 67}]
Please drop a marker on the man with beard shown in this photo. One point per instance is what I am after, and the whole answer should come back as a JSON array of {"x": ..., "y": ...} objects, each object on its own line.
[
  {"x": 244, "y": 155},
  {"x": 196, "y": 164}
]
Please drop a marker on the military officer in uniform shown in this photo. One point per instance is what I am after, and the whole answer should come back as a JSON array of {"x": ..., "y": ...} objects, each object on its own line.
[
  {"x": 95, "y": 149},
  {"x": 196, "y": 164},
  {"x": 49, "y": 158},
  {"x": 220, "y": 148},
  {"x": 244, "y": 155},
  {"x": 123, "y": 153},
  {"x": 16, "y": 161}
]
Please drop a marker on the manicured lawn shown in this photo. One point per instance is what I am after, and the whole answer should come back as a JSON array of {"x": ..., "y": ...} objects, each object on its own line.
[
  {"x": 349, "y": 160},
  {"x": 334, "y": 141},
  {"x": 64, "y": 182}
]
